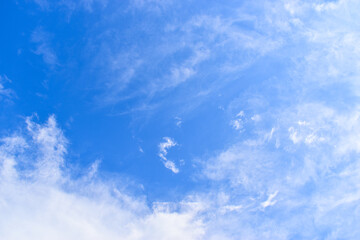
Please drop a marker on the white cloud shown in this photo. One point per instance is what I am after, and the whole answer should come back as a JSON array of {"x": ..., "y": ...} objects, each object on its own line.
[
  {"x": 170, "y": 165},
  {"x": 39, "y": 198},
  {"x": 269, "y": 202},
  {"x": 231, "y": 208},
  {"x": 309, "y": 152},
  {"x": 256, "y": 118},
  {"x": 329, "y": 35},
  {"x": 238, "y": 123},
  {"x": 163, "y": 151},
  {"x": 326, "y": 6},
  {"x": 316, "y": 172},
  {"x": 243, "y": 165},
  {"x": 178, "y": 121},
  {"x": 164, "y": 146}
]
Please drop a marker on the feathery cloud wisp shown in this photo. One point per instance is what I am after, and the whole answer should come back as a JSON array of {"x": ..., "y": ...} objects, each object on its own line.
[{"x": 163, "y": 150}]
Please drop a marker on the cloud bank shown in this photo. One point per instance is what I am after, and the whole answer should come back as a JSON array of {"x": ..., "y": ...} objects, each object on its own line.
[{"x": 40, "y": 199}]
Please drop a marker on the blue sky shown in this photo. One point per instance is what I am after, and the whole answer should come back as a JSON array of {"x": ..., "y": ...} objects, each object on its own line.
[{"x": 164, "y": 119}]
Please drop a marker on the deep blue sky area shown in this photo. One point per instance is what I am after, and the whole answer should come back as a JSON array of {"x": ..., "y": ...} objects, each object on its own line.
[{"x": 57, "y": 61}]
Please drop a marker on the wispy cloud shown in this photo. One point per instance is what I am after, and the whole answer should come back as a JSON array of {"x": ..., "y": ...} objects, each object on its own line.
[
  {"x": 157, "y": 6},
  {"x": 163, "y": 151},
  {"x": 303, "y": 176},
  {"x": 186, "y": 70},
  {"x": 43, "y": 48},
  {"x": 41, "y": 199},
  {"x": 70, "y": 5},
  {"x": 196, "y": 51},
  {"x": 310, "y": 178},
  {"x": 239, "y": 121},
  {"x": 178, "y": 121},
  {"x": 5, "y": 93},
  {"x": 269, "y": 202}
]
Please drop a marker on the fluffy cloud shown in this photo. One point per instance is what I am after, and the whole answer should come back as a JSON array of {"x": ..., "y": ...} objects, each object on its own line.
[{"x": 41, "y": 199}]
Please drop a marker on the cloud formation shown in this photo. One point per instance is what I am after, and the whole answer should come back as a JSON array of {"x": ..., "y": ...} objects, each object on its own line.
[
  {"x": 302, "y": 176},
  {"x": 41, "y": 199},
  {"x": 292, "y": 174},
  {"x": 163, "y": 151}
]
